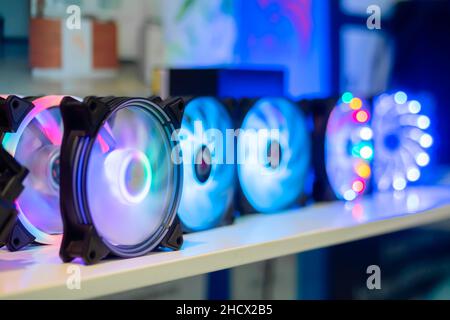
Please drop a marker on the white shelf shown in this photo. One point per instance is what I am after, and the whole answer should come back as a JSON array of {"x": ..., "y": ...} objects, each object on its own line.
[{"x": 37, "y": 273}]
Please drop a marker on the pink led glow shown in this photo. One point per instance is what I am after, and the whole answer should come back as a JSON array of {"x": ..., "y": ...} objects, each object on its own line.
[
  {"x": 49, "y": 126},
  {"x": 38, "y": 204},
  {"x": 103, "y": 145},
  {"x": 106, "y": 139}
]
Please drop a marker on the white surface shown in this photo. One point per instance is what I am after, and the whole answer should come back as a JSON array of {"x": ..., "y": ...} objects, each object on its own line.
[
  {"x": 77, "y": 49},
  {"x": 37, "y": 273}
]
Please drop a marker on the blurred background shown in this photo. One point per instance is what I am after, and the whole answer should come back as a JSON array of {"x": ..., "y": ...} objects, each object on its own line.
[{"x": 320, "y": 48}]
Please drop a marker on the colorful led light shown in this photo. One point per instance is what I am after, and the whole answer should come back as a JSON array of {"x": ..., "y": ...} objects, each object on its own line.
[
  {"x": 413, "y": 174},
  {"x": 363, "y": 150},
  {"x": 347, "y": 97},
  {"x": 401, "y": 142},
  {"x": 366, "y": 133},
  {"x": 426, "y": 141},
  {"x": 349, "y": 149},
  {"x": 399, "y": 183},
  {"x": 423, "y": 159},
  {"x": 423, "y": 122},
  {"x": 36, "y": 144},
  {"x": 400, "y": 97},
  {"x": 362, "y": 116},
  {"x": 414, "y": 107},
  {"x": 358, "y": 186},
  {"x": 356, "y": 104},
  {"x": 366, "y": 153},
  {"x": 363, "y": 170},
  {"x": 350, "y": 195}
]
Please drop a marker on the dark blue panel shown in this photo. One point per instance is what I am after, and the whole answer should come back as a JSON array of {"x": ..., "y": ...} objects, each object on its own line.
[
  {"x": 251, "y": 83},
  {"x": 219, "y": 285}
]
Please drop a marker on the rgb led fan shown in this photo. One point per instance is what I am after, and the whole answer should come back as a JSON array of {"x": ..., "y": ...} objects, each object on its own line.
[
  {"x": 273, "y": 154},
  {"x": 12, "y": 175},
  {"x": 31, "y": 131},
  {"x": 401, "y": 139},
  {"x": 208, "y": 180},
  {"x": 121, "y": 177},
  {"x": 343, "y": 148}
]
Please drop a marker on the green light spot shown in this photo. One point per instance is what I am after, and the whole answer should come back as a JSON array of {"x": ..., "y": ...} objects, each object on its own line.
[
  {"x": 347, "y": 97},
  {"x": 363, "y": 150}
]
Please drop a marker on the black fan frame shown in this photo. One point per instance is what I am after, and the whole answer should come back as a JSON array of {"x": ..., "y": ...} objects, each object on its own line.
[
  {"x": 13, "y": 111},
  {"x": 12, "y": 175},
  {"x": 83, "y": 120}
]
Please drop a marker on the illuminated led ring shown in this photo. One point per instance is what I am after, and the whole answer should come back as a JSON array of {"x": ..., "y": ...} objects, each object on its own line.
[
  {"x": 11, "y": 142},
  {"x": 401, "y": 141},
  {"x": 207, "y": 195},
  {"x": 349, "y": 148},
  {"x": 271, "y": 186}
]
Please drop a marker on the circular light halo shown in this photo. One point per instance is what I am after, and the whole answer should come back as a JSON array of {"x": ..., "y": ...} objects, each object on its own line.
[
  {"x": 130, "y": 229},
  {"x": 401, "y": 141}
]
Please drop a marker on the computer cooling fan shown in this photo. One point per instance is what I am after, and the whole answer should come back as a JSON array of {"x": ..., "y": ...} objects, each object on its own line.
[
  {"x": 343, "y": 147},
  {"x": 31, "y": 131},
  {"x": 209, "y": 173},
  {"x": 121, "y": 177},
  {"x": 402, "y": 142},
  {"x": 273, "y": 155},
  {"x": 12, "y": 175}
]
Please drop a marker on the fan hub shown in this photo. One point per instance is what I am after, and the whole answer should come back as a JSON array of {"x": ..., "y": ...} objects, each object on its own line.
[
  {"x": 45, "y": 170},
  {"x": 130, "y": 174},
  {"x": 203, "y": 164},
  {"x": 273, "y": 154},
  {"x": 392, "y": 142}
]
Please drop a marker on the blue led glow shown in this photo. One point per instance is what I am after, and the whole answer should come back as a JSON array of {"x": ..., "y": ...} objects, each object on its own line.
[
  {"x": 401, "y": 141},
  {"x": 271, "y": 186},
  {"x": 208, "y": 182}
]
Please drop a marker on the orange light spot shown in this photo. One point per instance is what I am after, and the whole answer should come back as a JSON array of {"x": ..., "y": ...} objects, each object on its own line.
[
  {"x": 356, "y": 104},
  {"x": 363, "y": 170}
]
